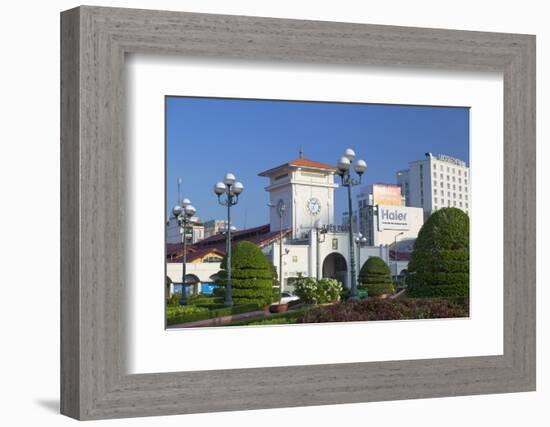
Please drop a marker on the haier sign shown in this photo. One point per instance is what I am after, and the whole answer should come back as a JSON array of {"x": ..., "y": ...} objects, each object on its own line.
[{"x": 393, "y": 218}]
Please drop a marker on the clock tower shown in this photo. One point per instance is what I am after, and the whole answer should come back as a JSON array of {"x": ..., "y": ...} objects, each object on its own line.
[{"x": 303, "y": 190}]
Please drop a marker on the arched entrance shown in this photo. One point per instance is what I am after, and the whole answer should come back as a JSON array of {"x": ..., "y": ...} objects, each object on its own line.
[
  {"x": 336, "y": 267},
  {"x": 192, "y": 283}
]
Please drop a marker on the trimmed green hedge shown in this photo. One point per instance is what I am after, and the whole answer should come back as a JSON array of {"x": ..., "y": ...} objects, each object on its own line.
[
  {"x": 378, "y": 289},
  {"x": 252, "y": 276},
  {"x": 185, "y": 314},
  {"x": 440, "y": 261},
  {"x": 440, "y": 291},
  {"x": 375, "y": 277}
]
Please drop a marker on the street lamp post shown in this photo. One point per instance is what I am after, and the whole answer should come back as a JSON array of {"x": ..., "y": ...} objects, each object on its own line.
[
  {"x": 320, "y": 230},
  {"x": 231, "y": 188},
  {"x": 183, "y": 213},
  {"x": 360, "y": 240},
  {"x": 281, "y": 209},
  {"x": 395, "y": 250},
  {"x": 343, "y": 170}
]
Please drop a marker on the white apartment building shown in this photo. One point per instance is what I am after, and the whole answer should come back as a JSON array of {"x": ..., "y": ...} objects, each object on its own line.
[
  {"x": 435, "y": 182},
  {"x": 214, "y": 226},
  {"x": 195, "y": 231}
]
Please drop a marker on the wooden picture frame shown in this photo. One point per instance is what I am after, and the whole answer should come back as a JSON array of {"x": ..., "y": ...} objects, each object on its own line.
[{"x": 94, "y": 41}]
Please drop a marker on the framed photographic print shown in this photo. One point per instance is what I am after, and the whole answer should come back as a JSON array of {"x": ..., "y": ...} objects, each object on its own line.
[{"x": 289, "y": 213}]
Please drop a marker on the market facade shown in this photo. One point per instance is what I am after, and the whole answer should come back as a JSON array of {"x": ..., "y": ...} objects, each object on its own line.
[{"x": 302, "y": 235}]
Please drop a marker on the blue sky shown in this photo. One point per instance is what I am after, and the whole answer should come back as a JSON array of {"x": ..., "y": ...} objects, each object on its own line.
[{"x": 207, "y": 137}]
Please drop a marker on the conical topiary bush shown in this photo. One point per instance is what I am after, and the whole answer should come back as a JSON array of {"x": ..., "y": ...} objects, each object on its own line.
[
  {"x": 375, "y": 276},
  {"x": 251, "y": 275},
  {"x": 440, "y": 261}
]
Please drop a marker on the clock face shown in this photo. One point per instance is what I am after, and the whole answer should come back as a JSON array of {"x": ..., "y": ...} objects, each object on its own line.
[{"x": 313, "y": 206}]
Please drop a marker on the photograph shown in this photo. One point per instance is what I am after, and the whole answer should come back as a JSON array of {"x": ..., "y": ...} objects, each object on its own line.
[{"x": 286, "y": 212}]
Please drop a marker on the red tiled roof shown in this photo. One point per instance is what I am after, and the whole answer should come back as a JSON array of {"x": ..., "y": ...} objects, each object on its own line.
[
  {"x": 193, "y": 254},
  {"x": 311, "y": 164},
  {"x": 260, "y": 236},
  {"x": 303, "y": 163}
]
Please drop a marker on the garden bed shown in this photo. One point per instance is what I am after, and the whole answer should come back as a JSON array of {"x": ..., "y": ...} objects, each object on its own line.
[{"x": 386, "y": 309}]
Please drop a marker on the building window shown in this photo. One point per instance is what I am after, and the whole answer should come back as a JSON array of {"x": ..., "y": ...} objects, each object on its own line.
[
  {"x": 466, "y": 205},
  {"x": 459, "y": 173},
  {"x": 460, "y": 204},
  {"x": 435, "y": 191},
  {"x": 454, "y": 187},
  {"x": 465, "y": 182},
  {"x": 442, "y": 185},
  {"x": 465, "y": 174},
  {"x": 448, "y": 203},
  {"x": 453, "y": 179},
  {"x": 440, "y": 167},
  {"x": 435, "y": 174},
  {"x": 441, "y": 175},
  {"x": 448, "y": 194},
  {"x": 460, "y": 180},
  {"x": 448, "y": 169},
  {"x": 454, "y": 195},
  {"x": 448, "y": 186},
  {"x": 435, "y": 199},
  {"x": 459, "y": 196},
  {"x": 460, "y": 188},
  {"x": 466, "y": 196},
  {"x": 448, "y": 178}
]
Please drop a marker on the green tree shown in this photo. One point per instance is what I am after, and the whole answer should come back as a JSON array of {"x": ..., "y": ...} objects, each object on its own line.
[
  {"x": 251, "y": 275},
  {"x": 375, "y": 276},
  {"x": 439, "y": 265}
]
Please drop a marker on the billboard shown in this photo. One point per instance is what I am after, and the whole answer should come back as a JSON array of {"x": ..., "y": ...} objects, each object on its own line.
[
  {"x": 394, "y": 218},
  {"x": 384, "y": 194}
]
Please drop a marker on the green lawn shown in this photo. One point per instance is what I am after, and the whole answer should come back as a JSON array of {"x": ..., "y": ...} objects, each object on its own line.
[
  {"x": 285, "y": 318},
  {"x": 201, "y": 308}
]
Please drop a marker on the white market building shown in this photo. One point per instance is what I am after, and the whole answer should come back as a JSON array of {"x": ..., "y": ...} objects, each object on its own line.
[{"x": 313, "y": 246}]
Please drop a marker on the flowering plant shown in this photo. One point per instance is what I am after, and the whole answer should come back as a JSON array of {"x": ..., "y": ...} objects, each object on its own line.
[{"x": 314, "y": 291}]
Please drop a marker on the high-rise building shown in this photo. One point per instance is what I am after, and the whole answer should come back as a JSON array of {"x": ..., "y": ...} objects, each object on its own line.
[{"x": 435, "y": 182}]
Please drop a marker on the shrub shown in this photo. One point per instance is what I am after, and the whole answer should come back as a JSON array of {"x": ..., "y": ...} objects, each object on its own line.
[
  {"x": 306, "y": 289},
  {"x": 439, "y": 265},
  {"x": 276, "y": 285},
  {"x": 329, "y": 290},
  {"x": 375, "y": 276},
  {"x": 173, "y": 300},
  {"x": 314, "y": 291},
  {"x": 385, "y": 309},
  {"x": 251, "y": 275},
  {"x": 189, "y": 313}
]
